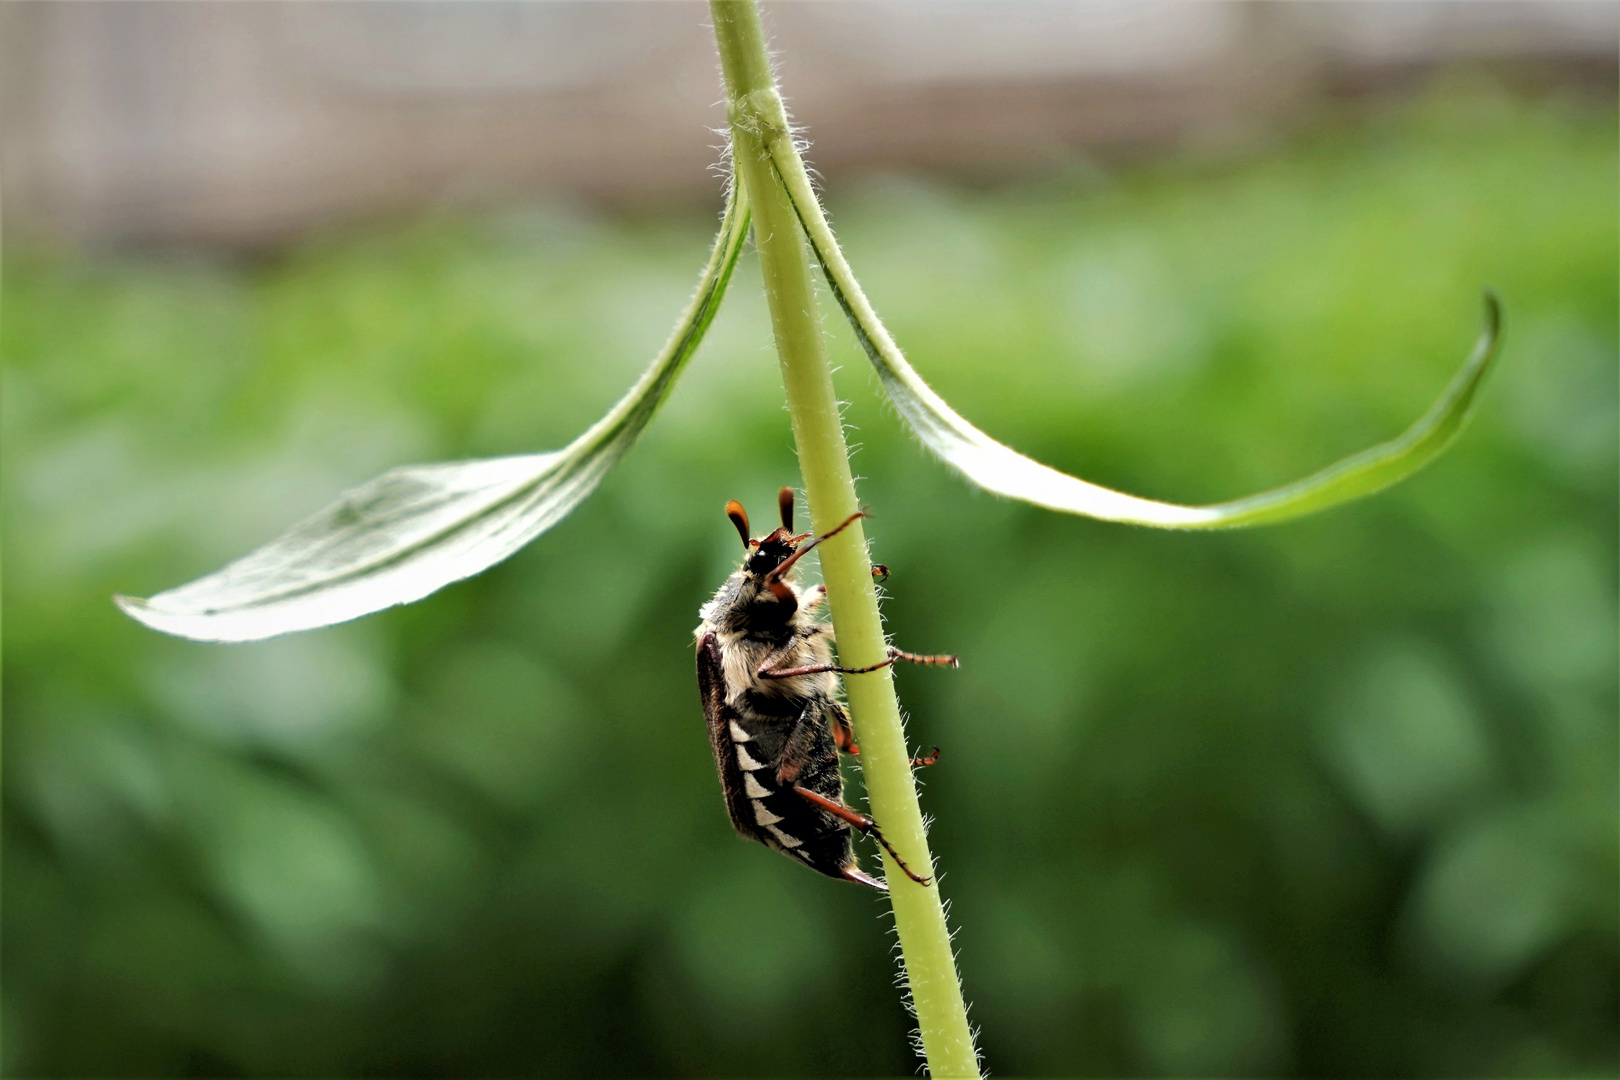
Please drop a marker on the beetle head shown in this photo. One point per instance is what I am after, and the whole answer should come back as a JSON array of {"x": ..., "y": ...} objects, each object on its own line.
[{"x": 770, "y": 555}]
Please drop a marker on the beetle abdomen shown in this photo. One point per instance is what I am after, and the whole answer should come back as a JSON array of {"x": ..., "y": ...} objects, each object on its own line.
[
  {"x": 748, "y": 738},
  {"x": 779, "y": 816}
]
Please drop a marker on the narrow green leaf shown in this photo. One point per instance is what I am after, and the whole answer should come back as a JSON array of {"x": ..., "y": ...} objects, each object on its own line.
[
  {"x": 415, "y": 529},
  {"x": 1002, "y": 470}
]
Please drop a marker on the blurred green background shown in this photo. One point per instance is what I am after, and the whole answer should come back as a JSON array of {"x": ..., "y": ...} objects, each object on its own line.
[{"x": 1334, "y": 798}]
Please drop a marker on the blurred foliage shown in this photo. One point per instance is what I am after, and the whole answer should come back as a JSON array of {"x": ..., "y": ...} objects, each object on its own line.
[{"x": 1334, "y": 798}]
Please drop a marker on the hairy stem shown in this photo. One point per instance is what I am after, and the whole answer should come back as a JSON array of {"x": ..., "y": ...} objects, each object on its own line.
[{"x": 758, "y": 120}]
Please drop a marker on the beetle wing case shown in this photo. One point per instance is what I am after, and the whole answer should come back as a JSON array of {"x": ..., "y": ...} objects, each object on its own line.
[{"x": 712, "y": 687}]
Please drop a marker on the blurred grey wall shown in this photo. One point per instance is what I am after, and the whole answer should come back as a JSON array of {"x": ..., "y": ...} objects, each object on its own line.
[{"x": 246, "y": 124}]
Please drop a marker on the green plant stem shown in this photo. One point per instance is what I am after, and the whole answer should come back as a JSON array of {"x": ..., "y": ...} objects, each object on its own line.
[{"x": 757, "y": 116}]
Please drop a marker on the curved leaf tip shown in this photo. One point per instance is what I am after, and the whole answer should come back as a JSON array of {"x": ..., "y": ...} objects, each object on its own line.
[
  {"x": 1000, "y": 469},
  {"x": 415, "y": 529}
]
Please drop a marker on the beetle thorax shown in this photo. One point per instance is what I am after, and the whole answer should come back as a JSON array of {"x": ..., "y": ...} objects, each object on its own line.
[{"x": 746, "y": 604}]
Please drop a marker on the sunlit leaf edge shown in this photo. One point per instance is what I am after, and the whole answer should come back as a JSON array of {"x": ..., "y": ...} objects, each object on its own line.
[
  {"x": 1000, "y": 469},
  {"x": 415, "y": 529}
]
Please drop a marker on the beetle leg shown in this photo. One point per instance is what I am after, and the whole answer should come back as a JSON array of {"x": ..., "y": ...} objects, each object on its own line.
[
  {"x": 914, "y": 658},
  {"x": 813, "y": 669},
  {"x": 853, "y": 873},
  {"x": 859, "y": 822},
  {"x": 766, "y": 671},
  {"x": 843, "y": 733},
  {"x": 796, "y": 748},
  {"x": 816, "y": 669},
  {"x": 787, "y": 564}
]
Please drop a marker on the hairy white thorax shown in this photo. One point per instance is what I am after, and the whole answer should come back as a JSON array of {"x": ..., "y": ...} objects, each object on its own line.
[{"x": 802, "y": 642}]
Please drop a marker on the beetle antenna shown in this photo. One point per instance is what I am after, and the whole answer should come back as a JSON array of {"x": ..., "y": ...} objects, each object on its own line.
[
  {"x": 739, "y": 518},
  {"x": 784, "y": 499}
]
